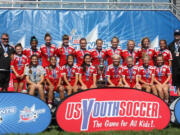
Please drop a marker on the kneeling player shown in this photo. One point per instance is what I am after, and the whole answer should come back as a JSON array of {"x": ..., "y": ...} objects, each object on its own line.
[
  {"x": 53, "y": 79},
  {"x": 114, "y": 72},
  {"x": 130, "y": 74},
  {"x": 146, "y": 76},
  {"x": 70, "y": 72},
  {"x": 87, "y": 74},
  {"x": 162, "y": 78}
]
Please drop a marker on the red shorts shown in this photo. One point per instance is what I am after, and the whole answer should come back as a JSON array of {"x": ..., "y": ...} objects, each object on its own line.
[
  {"x": 17, "y": 80},
  {"x": 132, "y": 84}
]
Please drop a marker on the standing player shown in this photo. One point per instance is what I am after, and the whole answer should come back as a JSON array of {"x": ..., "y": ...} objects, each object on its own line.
[
  {"x": 28, "y": 52},
  {"x": 162, "y": 77},
  {"x": 53, "y": 78},
  {"x": 167, "y": 56},
  {"x": 129, "y": 52},
  {"x": 79, "y": 54},
  {"x": 71, "y": 73},
  {"x": 47, "y": 50},
  {"x": 88, "y": 74},
  {"x": 98, "y": 53},
  {"x": 114, "y": 72},
  {"x": 130, "y": 74},
  {"x": 146, "y": 50},
  {"x": 64, "y": 51},
  {"x": 18, "y": 65},
  {"x": 113, "y": 50},
  {"x": 146, "y": 76}
]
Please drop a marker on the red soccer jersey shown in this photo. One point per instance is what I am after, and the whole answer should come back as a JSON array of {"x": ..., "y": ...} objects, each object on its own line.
[
  {"x": 62, "y": 53},
  {"x": 19, "y": 63},
  {"x": 167, "y": 56},
  {"x": 161, "y": 73},
  {"x": 28, "y": 52},
  {"x": 47, "y": 52},
  {"x": 87, "y": 77},
  {"x": 70, "y": 73},
  {"x": 130, "y": 75},
  {"x": 126, "y": 53},
  {"x": 79, "y": 56},
  {"x": 53, "y": 75},
  {"x": 110, "y": 52},
  {"x": 150, "y": 52},
  {"x": 96, "y": 55},
  {"x": 115, "y": 73},
  {"x": 146, "y": 73}
]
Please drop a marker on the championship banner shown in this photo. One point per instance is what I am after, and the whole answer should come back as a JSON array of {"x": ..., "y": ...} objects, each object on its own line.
[
  {"x": 112, "y": 109},
  {"x": 23, "y": 114}
]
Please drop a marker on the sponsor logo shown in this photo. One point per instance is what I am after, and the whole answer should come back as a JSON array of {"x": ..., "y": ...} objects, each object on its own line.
[
  {"x": 112, "y": 109},
  {"x": 6, "y": 111},
  {"x": 30, "y": 114}
]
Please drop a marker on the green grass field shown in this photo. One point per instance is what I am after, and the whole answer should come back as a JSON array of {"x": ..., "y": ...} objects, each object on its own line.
[{"x": 171, "y": 130}]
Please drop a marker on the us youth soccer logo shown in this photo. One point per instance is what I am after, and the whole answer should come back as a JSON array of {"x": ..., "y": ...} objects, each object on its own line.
[
  {"x": 30, "y": 114},
  {"x": 6, "y": 111}
]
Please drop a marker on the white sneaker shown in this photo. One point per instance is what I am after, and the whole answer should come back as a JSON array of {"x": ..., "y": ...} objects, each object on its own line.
[{"x": 50, "y": 106}]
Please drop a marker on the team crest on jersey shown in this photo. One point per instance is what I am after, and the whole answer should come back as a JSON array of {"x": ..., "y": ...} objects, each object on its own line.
[{"x": 30, "y": 114}]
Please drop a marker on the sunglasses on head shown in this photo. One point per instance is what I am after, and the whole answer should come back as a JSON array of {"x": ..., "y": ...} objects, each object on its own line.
[{"x": 5, "y": 39}]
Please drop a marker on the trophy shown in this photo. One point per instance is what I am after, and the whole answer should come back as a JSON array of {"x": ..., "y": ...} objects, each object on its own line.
[{"x": 101, "y": 81}]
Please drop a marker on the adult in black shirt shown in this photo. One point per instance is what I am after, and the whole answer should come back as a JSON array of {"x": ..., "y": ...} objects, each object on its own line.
[
  {"x": 6, "y": 54},
  {"x": 174, "y": 47}
]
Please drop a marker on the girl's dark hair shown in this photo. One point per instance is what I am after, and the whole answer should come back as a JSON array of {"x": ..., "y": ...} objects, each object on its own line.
[
  {"x": 65, "y": 37},
  {"x": 84, "y": 64},
  {"x": 164, "y": 42},
  {"x": 142, "y": 41},
  {"x": 47, "y": 35},
  {"x": 33, "y": 38},
  {"x": 115, "y": 38},
  {"x": 99, "y": 40},
  {"x": 70, "y": 55},
  {"x": 30, "y": 65},
  {"x": 82, "y": 39},
  {"x": 18, "y": 45}
]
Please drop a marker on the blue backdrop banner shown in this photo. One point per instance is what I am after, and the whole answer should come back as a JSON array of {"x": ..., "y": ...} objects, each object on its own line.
[
  {"x": 22, "y": 113},
  {"x": 22, "y": 24}
]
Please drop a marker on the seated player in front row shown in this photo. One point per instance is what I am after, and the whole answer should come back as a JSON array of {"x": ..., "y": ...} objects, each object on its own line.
[
  {"x": 18, "y": 65},
  {"x": 130, "y": 74},
  {"x": 162, "y": 78},
  {"x": 53, "y": 79},
  {"x": 146, "y": 76},
  {"x": 114, "y": 72},
  {"x": 70, "y": 74},
  {"x": 87, "y": 74},
  {"x": 35, "y": 77}
]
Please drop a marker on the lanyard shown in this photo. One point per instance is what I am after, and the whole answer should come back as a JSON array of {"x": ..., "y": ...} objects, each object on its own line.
[
  {"x": 114, "y": 51},
  {"x": 34, "y": 70},
  {"x": 54, "y": 73},
  {"x": 48, "y": 51},
  {"x": 116, "y": 71},
  {"x": 66, "y": 49},
  {"x": 32, "y": 52},
  {"x": 176, "y": 47},
  {"x": 99, "y": 54},
  {"x": 159, "y": 72},
  {"x": 19, "y": 62},
  {"x": 5, "y": 48},
  {"x": 87, "y": 73},
  {"x": 147, "y": 51},
  {"x": 147, "y": 73},
  {"x": 130, "y": 73},
  {"x": 69, "y": 69},
  {"x": 82, "y": 52},
  {"x": 161, "y": 51},
  {"x": 131, "y": 54}
]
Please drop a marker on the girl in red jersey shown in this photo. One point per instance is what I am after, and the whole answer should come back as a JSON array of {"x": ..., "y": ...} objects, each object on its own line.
[
  {"x": 88, "y": 74},
  {"x": 47, "y": 50},
  {"x": 146, "y": 76},
  {"x": 146, "y": 50},
  {"x": 53, "y": 79},
  {"x": 162, "y": 78},
  {"x": 167, "y": 56},
  {"x": 130, "y": 74},
  {"x": 114, "y": 72},
  {"x": 70, "y": 72},
  {"x": 18, "y": 65},
  {"x": 35, "y": 77}
]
